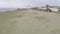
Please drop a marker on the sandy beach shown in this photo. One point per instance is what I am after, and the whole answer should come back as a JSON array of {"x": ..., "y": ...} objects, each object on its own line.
[{"x": 29, "y": 22}]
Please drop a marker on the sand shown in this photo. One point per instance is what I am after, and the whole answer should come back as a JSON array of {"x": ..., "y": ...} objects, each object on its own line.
[{"x": 29, "y": 22}]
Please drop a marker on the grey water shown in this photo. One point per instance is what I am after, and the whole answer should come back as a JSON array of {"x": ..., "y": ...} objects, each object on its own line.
[{"x": 7, "y": 9}]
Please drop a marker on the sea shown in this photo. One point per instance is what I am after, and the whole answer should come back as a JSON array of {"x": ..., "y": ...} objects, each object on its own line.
[{"x": 7, "y": 9}]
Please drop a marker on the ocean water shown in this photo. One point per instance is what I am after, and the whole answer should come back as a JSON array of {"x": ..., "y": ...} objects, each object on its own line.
[{"x": 6, "y": 9}]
